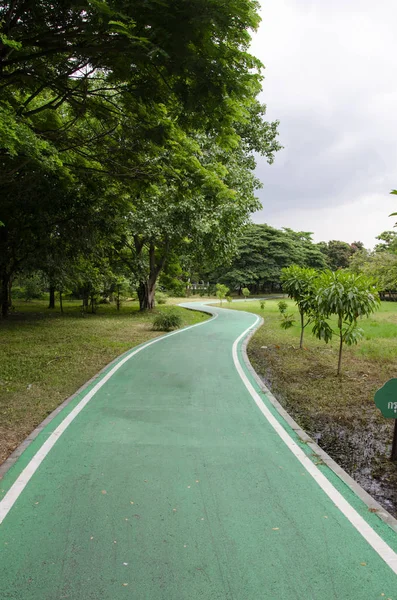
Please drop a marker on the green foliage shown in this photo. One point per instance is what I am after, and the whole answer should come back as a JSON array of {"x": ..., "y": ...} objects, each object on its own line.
[
  {"x": 30, "y": 287},
  {"x": 262, "y": 304},
  {"x": 161, "y": 298},
  {"x": 221, "y": 291},
  {"x": 287, "y": 321},
  {"x": 348, "y": 297},
  {"x": 263, "y": 252},
  {"x": 282, "y": 307},
  {"x": 173, "y": 283},
  {"x": 299, "y": 283},
  {"x": 322, "y": 329},
  {"x": 124, "y": 140},
  {"x": 338, "y": 253},
  {"x": 167, "y": 320},
  {"x": 380, "y": 265},
  {"x": 229, "y": 299},
  {"x": 245, "y": 291}
]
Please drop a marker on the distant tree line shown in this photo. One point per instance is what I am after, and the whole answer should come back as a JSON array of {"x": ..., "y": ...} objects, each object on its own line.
[
  {"x": 380, "y": 264},
  {"x": 263, "y": 251}
]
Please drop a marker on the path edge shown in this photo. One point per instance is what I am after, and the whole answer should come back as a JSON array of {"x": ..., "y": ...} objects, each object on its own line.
[
  {"x": 372, "y": 504},
  {"x": 19, "y": 450}
]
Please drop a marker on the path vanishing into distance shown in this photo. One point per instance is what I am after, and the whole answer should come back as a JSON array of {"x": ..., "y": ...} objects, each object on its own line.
[{"x": 173, "y": 477}]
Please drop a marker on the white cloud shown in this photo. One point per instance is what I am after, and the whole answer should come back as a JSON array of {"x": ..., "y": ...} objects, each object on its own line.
[
  {"x": 348, "y": 222},
  {"x": 330, "y": 79}
]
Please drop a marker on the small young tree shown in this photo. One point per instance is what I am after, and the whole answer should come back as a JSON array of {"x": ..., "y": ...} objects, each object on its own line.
[
  {"x": 282, "y": 307},
  {"x": 245, "y": 292},
  {"x": 298, "y": 283},
  {"x": 221, "y": 291},
  {"x": 349, "y": 297}
]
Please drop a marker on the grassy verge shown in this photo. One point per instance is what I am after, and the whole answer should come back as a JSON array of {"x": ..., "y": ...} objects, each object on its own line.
[
  {"x": 45, "y": 357},
  {"x": 339, "y": 412}
]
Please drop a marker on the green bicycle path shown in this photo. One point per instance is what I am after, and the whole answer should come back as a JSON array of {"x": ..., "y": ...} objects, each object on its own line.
[{"x": 171, "y": 485}]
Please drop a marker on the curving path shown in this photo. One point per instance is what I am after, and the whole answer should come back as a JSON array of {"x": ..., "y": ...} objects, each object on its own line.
[{"x": 173, "y": 478}]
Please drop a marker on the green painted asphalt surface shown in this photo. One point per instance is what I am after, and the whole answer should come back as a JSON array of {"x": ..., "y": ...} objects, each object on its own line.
[{"x": 170, "y": 484}]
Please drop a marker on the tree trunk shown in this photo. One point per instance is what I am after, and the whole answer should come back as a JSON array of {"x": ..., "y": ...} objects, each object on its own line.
[
  {"x": 147, "y": 288},
  {"x": 118, "y": 298},
  {"x": 146, "y": 292},
  {"x": 52, "y": 297},
  {"x": 60, "y": 301},
  {"x": 340, "y": 353},
  {"x": 302, "y": 331},
  {"x": 10, "y": 293},
  {"x": 4, "y": 292}
]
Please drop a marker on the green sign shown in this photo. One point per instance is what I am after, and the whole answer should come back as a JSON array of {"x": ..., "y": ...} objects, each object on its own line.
[{"x": 386, "y": 399}]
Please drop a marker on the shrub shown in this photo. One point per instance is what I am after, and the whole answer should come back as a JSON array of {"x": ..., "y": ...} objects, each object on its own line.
[
  {"x": 262, "y": 304},
  {"x": 245, "y": 292},
  {"x": 165, "y": 321},
  {"x": 282, "y": 307},
  {"x": 221, "y": 291},
  {"x": 161, "y": 298}
]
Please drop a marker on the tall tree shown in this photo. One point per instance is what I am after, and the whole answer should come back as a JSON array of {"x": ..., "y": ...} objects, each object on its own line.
[
  {"x": 337, "y": 253},
  {"x": 197, "y": 206},
  {"x": 263, "y": 252}
]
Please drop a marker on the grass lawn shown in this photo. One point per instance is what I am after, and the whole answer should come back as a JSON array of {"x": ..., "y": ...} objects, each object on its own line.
[
  {"x": 339, "y": 412},
  {"x": 45, "y": 356}
]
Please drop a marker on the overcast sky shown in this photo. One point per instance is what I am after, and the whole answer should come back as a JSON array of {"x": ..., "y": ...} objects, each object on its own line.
[{"x": 331, "y": 80}]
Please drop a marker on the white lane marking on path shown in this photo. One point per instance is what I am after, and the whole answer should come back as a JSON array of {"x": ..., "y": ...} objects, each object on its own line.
[
  {"x": 19, "y": 485},
  {"x": 379, "y": 545}
]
